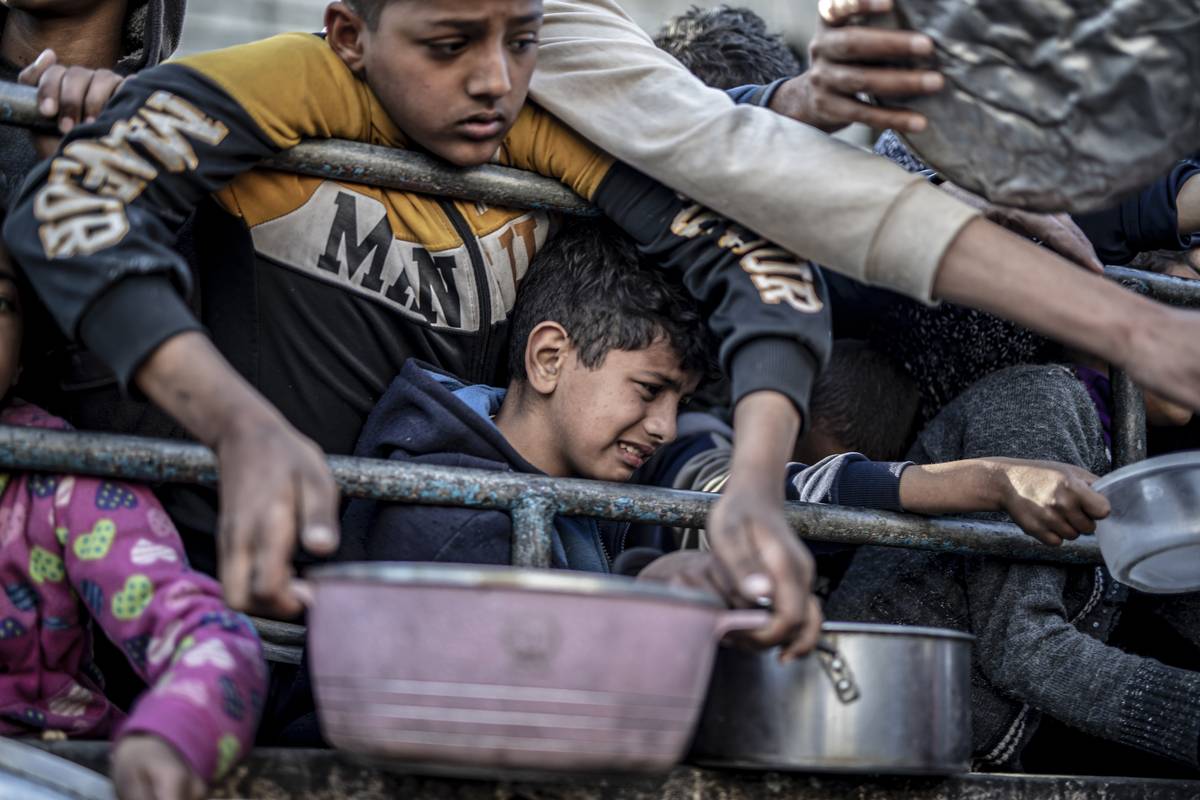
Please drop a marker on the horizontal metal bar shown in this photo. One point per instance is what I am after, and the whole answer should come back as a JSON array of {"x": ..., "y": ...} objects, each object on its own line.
[
  {"x": 1164, "y": 288},
  {"x": 154, "y": 460},
  {"x": 357, "y": 162}
]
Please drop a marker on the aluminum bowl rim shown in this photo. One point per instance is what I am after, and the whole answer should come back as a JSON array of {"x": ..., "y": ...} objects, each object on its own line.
[
  {"x": 885, "y": 629},
  {"x": 1149, "y": 466},
  {"x": 489, "y": 576}
]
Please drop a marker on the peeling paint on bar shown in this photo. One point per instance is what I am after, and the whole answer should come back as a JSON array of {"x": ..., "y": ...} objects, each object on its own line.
[{"x": 530, "y": 496}]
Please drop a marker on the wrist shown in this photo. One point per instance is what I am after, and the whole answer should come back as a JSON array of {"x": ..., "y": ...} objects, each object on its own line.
[
  {"x": 993, "y": 485},
  {"x": 789, "y": 101}
]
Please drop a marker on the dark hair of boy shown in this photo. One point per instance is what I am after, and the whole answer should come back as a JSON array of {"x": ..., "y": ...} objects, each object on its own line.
[
  {"x": 590, "y": 280},
  {"x": 369, "y": 10},
  {"x": 727, "y": 47},
  {"x": 863, "y": 402}
]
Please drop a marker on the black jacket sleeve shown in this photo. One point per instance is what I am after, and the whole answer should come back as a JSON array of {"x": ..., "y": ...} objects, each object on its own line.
[
  {"x": 766, "y": 306},
  {"x": 1145, "y": 221},
  {"x": 94, "y": 227}
]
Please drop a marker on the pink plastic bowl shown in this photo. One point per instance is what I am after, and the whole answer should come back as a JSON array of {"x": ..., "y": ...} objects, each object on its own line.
[{"x": 511, "y": 669}]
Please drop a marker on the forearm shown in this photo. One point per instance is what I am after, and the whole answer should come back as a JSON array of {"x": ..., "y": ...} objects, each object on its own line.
[
  {"x": 766, "y": 425},
  {"x": 189, "y": 379},
  {"x": 1187, "y": 205},
  {"x": 994, "y": 270},
  {"x": 955, "y": 487},
  {"x": 861, "y": 215}
]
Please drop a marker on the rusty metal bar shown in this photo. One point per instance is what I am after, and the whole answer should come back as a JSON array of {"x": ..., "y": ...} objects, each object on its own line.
[
  {"x": 155, "y": 460},
  {"x": 1164, "y": 288},
  {"x": 1129, "y": 420},
  {"x": 1129, "y": 404},
  {"x": 356, "y": 162},
  {"x": 533, "y": 530}
]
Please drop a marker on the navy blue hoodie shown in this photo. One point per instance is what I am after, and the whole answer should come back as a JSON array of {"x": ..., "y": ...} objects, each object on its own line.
[{"x": 430, "y": 417}]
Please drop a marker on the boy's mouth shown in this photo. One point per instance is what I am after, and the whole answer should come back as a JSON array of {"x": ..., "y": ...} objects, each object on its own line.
[
  {"x": 482, "y": 126},
  {"x": 634, "y": 454}
]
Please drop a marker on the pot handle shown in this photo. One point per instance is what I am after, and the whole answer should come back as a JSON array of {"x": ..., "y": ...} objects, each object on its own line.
[
  {"x": 740, "y": 620},
  {"x": 838, "y": 671}
]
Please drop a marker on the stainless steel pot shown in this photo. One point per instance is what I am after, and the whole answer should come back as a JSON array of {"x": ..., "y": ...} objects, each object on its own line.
[{"x": 877, "y": 698}]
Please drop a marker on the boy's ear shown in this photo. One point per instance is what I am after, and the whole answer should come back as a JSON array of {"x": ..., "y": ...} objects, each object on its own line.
[
  {"x": 546, "y": 356},
  {"x": 344, "y": 30}
]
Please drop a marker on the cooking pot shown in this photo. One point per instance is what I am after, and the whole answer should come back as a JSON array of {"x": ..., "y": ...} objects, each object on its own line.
[
  {"x": 1058, "y": 106},
  {"x": 1151, "y": 539},
  {"x": 877, "y": 698},
  {"x": 499, "y": 668}
]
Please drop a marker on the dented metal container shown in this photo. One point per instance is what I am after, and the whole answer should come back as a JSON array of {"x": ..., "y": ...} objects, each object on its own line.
[{"x": 881, "y": 699}]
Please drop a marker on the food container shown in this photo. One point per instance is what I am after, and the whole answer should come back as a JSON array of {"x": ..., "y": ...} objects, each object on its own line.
[
  {"x": 890, "y": 699},
  {"x": 1151, "y": 540},
  {"x": 1060, "y": 106},
  {"x": 506, "y": 669}
]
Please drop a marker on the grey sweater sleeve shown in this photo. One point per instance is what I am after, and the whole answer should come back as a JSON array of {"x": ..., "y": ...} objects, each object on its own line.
[{"x": 1027, "y": 644}]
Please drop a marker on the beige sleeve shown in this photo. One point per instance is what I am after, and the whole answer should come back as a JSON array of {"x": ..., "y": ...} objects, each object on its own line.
[{"x": 845, "y": 208}]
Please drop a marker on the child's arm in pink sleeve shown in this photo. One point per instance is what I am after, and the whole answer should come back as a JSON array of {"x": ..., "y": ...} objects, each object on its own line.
[{"x": 203, "y": 662}]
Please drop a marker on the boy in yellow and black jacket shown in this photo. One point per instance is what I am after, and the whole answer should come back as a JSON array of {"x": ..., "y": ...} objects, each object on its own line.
[{"x": 320, "y": 289}]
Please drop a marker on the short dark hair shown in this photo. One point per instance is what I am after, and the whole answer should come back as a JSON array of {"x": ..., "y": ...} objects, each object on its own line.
[
  {"x": 369, "y": 10},
  {"x": 865, "y": 402},
  {"x": 590, "y": 279},
  {"x": 727, "y": 47}
]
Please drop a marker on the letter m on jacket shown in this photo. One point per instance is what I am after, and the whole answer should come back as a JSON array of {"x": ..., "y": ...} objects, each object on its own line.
[{"x": 375, "y": 245}]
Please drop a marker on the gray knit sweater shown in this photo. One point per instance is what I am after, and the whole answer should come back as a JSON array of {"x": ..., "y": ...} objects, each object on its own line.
[{"x": 1040, "y": 629}]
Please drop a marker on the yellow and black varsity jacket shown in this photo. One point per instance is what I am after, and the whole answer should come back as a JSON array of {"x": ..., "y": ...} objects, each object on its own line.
[{"x": 318, "y": 290}]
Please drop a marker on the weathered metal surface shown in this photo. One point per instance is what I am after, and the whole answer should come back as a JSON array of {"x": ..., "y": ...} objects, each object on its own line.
[
  {"x": 410, "y": 171},
  {"x": 533, "y": 526},
  {"x": 1128, "y": 421},
  {"x": 159, "y": 460},
  {"x": 1058, "y": 105},
  {"x": 358, "y": 162},
  {"x": 274, "y": 774},
  {"x": 18, "y": 106},
  {"x": 1165, "y": 288}
]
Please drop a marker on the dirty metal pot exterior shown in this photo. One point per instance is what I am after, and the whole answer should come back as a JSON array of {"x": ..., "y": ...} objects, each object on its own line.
[
  {"x": 911, "y": 715},
  {"x": 511, "y": 669}
]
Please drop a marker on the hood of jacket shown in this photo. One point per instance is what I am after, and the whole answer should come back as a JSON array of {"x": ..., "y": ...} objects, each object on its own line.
[{"x": 429, "y": 416}]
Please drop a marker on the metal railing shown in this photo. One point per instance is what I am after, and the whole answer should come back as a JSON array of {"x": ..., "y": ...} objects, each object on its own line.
[{"x": 533, "y": 501}]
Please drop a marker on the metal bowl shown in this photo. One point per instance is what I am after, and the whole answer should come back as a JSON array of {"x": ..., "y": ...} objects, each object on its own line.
[
  {"x": 909, "y": 712},
  {"x": 1057, "y": 106},
  {"x": 1151, "y": 540}
]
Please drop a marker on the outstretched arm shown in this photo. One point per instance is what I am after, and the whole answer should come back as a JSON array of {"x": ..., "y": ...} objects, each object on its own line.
[{"x": 997, "y": 271}]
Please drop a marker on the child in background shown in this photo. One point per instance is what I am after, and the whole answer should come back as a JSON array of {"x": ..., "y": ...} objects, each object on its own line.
[
  {"x": 79, "y": 553},
  {"x": 1042, "y": 630}
]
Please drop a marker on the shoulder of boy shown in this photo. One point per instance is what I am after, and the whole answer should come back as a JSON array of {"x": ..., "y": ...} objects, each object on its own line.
[{"x": 293, "y": 86}]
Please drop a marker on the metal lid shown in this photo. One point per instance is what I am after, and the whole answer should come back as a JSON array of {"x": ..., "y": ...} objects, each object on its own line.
[
  {"x": 876, "y": 629},
  {"x": 479, "y": 576},
  {"x": 1188, "y": 459}
]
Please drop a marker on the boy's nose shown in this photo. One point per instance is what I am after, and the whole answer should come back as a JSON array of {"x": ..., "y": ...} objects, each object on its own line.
[
  {"x": 490, "y": 78},
  {"x": 660, "y": 425}
]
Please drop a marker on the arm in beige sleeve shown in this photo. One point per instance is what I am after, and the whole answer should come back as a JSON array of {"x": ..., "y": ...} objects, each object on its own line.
[{"x": 842, "y": 207}]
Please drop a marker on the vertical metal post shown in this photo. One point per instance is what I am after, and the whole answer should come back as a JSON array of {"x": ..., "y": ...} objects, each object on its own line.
[
  {"x": 1129, "y": 404},
  {"x": 1129, "y": 420},
  {"x": 532, "y": 523}
]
